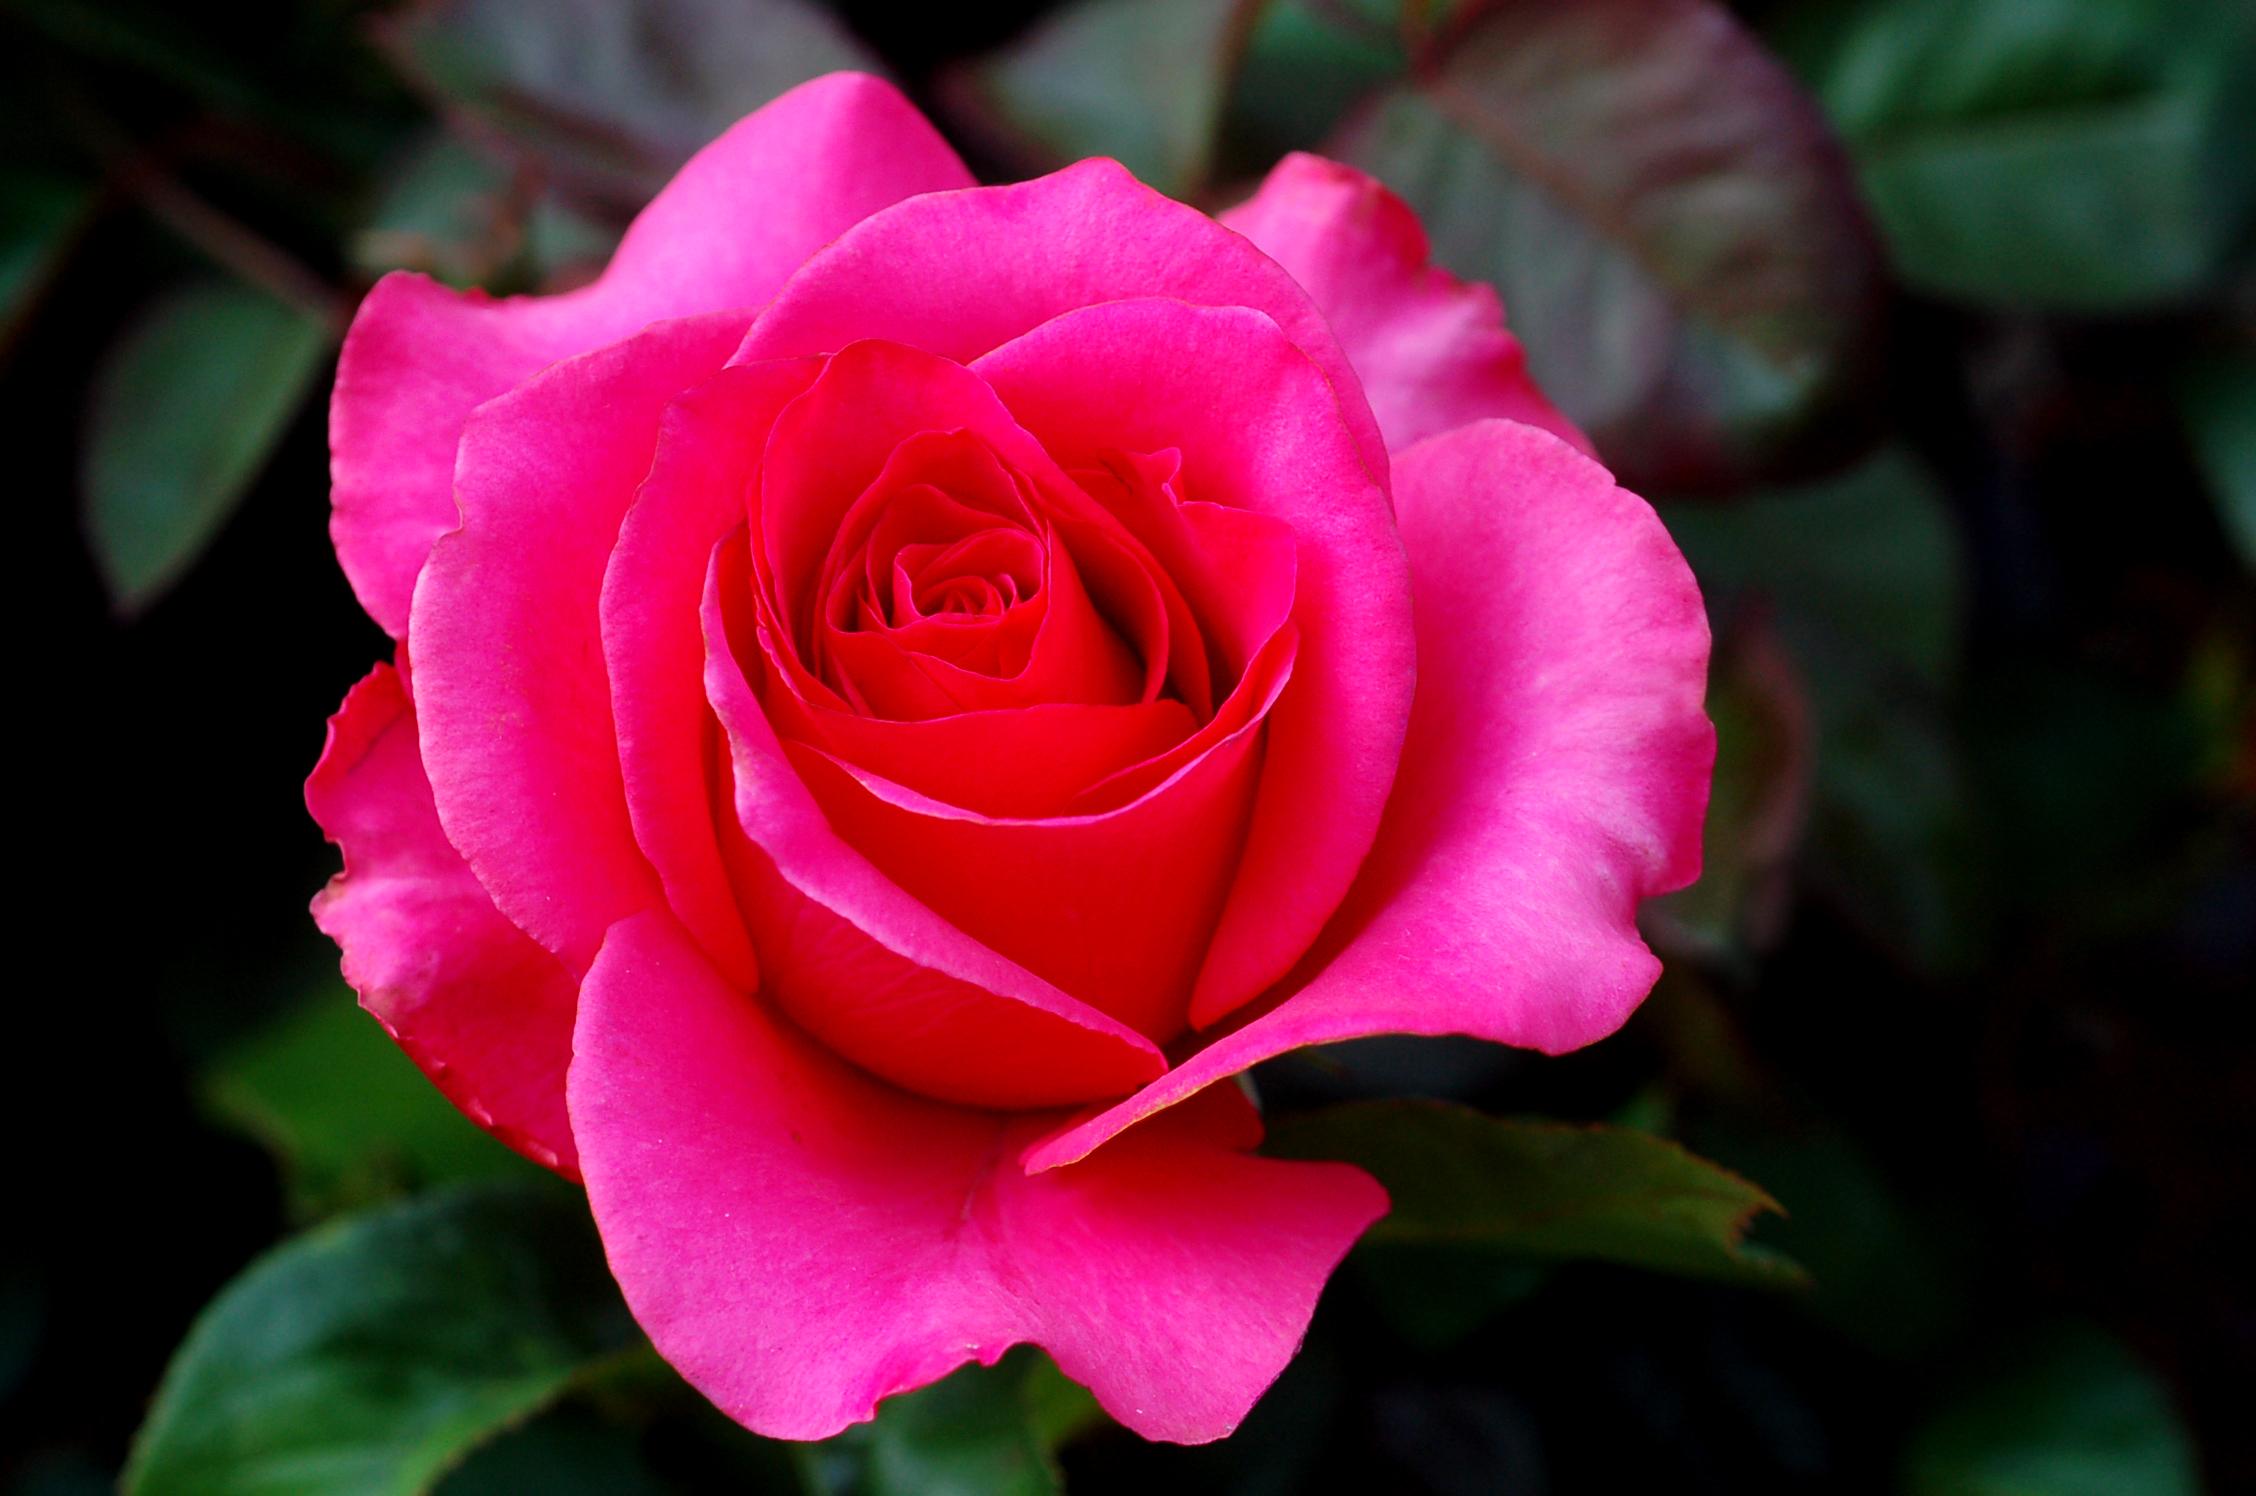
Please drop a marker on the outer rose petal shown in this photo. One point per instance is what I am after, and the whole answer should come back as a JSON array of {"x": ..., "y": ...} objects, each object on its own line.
[
  {"x": 1257, "y": 427},
  {"x": 725, "y": 233},
  {"x": 509, "y": 675},
  {"x": 1556, "y": 773},
  {"x": 801, "y": 1241},
  {"x": 1010, "y": 258},
  {"x": 1430, "y": 349},
  {"x": 484, "y": 1011}
]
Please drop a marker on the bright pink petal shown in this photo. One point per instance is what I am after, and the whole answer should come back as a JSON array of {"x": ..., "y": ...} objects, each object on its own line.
[
  {"x": 1257, "y": 428},
  {"x": 725, "y": 233},
  {"x": 1556, "y": 773},
  {"x": 1430, "y": 349},
  {"x": 866, "y": 968},
  {"x": 960, "y": 273},
  {"x": 509, "y": 673},
  {"x": 801, "y": 1241},
  {"x": 670, "y": 746},
  {"x": 484, "y": 1011}
]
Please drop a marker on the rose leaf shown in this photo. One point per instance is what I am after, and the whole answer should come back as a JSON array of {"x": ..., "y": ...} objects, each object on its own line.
[
  {"x": 1142, "y": 81},
  {"x": 2087, "y": 155},
  {"x": 1668, "y": 218},
  {"x": 372, "y": 1354},
  {"x": 186, "y": 408},
  {"x": 1547, "y": 1191}
]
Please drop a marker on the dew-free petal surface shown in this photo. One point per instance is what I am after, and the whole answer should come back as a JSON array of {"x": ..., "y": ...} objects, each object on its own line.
[
  {"x": 483, "y": 1010},
  {"x": 1431, "y": 350},
  {"x": 1013, "y": 257},
  {"x": 1257, "y": 427},
  {"x": 864, "y": 966},
  {"x": 670, "y": 746},
  {"x": 801, "y": 1241},
  {"x": 1556, "y": 773},
  {"x": 738, "y": 219},
  {"x": 509, "y": 675}
]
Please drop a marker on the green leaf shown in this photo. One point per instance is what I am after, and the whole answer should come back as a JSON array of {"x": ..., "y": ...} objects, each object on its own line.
[
  {"x": 611, "y": 99},
  {"x": 371, "y": 1355},
  {"x": 186, "y": 408},
  {"x": 349, "y": 1115},
  {"x": 1305, "y": 64},
  {"x": 1864, "y": 579},
  {"x": 984, "y": 1431},
  {"x": 39, "y": 216},
  {"x": 1543, "y": 1190},
  {"x": 1142, "y": 81},
  {"x": 2082, "y": 154},
  {"x": 2067, "y": 1413},
  {"x": 1872, "y": 555},
  {"x": 1667, "y": 217},
  {"x": 2217, "y": 400},
  {"x": 564, "y": 1452}
]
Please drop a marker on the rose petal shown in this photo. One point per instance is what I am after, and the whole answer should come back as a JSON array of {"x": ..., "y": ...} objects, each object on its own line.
[
  {"x": 801, "y": 1241},
  {"x": 1431, "y": 350},
  {"x": 725, "y": 233},
  {"x": 1115, "y": 909},
  {"x": 1258, "y": 428},
  {"x": 865, "y": 967},
  {"x": 1556, "y": 773},
  {"x": 509, "y": 675},
  {"x": 1011, "y": 258},
  {"x": 670, "y": 747},
  {"x": 485, "y": 1012}
]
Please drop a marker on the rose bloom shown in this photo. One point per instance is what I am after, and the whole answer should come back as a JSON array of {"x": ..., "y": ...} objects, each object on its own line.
[{"x": 902, "y": 686}]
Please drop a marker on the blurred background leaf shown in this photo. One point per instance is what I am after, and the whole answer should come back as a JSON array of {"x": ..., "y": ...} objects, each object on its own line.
[
  {"x": 1670, "y": 224},
  {"x": 373, "y": 1353},
  {"x": 609, "y": 99},
  {"x": 39, "y": 215},
  {"x": 1142, "y": 81},
  {"x": 2066, "y": 1412},
  {"x": 2217, "y": 398},
  {"x": 186, "y": 411},
  {"x": 2085, "y": 154},
  {"x": 1864, "y": 581}
]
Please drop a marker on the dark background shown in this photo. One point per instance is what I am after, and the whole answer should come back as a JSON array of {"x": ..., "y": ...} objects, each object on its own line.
[{"x": 1975, "y": 1009}]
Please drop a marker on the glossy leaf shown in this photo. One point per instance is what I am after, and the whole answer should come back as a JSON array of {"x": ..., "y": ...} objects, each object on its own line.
[
  {"x": 2084, "y": 154},
  {"x": 2067, "y": 1413},
  {"x": 348, "y": 1115},
  {"x": 1543, "y": 1190},
  {"x": 1142, "y": 81},
  {"x": 1667, "y": 217},
  {"x": 371, "y": 1355},
  {"x": 186, "y": 408},
  {"x": 612, "y": 98}
]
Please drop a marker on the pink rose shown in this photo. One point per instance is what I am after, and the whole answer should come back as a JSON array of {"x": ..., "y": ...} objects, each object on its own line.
[{"x": 914, "y": 682}]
